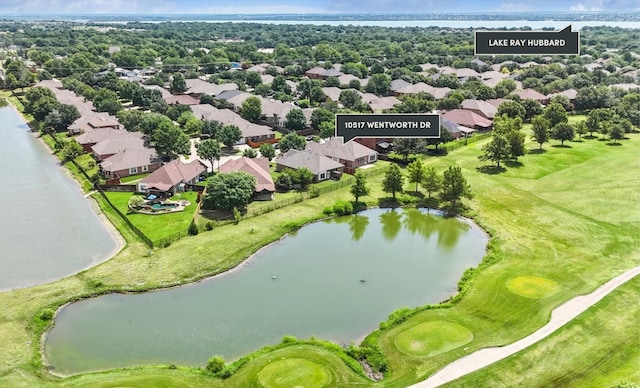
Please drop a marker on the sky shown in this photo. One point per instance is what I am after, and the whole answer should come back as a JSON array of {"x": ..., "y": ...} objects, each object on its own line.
[{"x": 21, "y": 7}]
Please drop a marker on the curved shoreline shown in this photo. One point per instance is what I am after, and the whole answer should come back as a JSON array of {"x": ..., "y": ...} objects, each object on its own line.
[
  {"x": 118, "y": 239},
  {"x": 244, "y": 262}
]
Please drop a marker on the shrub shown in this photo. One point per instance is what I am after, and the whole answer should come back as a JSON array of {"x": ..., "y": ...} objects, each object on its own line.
[
  {"x": 343, "y": 207},
  {"x": 215, "y": 364},
  {"x": 46, "y": 314},
  {"x": 193, "y": 229},
  {"x": 287, "y": 339},
  {"x": 208, "y": 225}
]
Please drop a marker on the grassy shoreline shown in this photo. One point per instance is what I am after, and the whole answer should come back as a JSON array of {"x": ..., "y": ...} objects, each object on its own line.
[{"x": 531, "y": 240}]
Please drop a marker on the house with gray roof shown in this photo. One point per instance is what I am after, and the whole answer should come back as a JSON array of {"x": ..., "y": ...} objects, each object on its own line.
[
  {"x": 480, "y": 107},
  {"x": 198, "y": 87},
  {"x": 130, "y": 162},
  {"x": 108, "y": 147},
  {"x": 351, "y": 154},
  {"x": 322, "y": 167},
  {"x": 92, "y": 137},
  {"x": 250, "y": 132}
]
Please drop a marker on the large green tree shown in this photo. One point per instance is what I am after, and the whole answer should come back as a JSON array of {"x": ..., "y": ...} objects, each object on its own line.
[
  {"x": 251, "y": 109},
  {"x": 497, "y": 150},
  {"x": 454, "y": 188},
  {"x": 296, "y": 121},
  {"x": 292, "y": 140},
  {"x": 555, "y": 113},
  {"x": 562, "y": 132},
  {"x": 170, "y": 141},
  {"x": 267, "y": 150},
  {"x": 228, "y": 191},
  {"x": 229, "y": 135},
  {"x": 210, "y": 150},
  {"x": 540, "y": 127},
  {"x": 178, "y": 83},
  {"x": 393, "y": 180}
]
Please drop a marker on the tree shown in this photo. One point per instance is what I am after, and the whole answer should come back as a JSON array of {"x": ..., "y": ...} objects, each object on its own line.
[
  {"x": 616, "y": 133},
  {"x": 251, "y": 109},
  {"x": 178, "y": 84},
  {"x": 327, "y": 130},
  {"x": 431, "y": 182},
  {"x": 229, "y": 135},
  {"x": 360, "y": 188},
  {"x": 267, "y": 151},
  {"x": 292, "y": 140},
  {"x": 170, "y": 141},
  {"x": 511, "y": 109},
  {"x": 540, "y": 127},
  {"x": 295, "y": 120},
  {"x": 531, "y": 107},
  {"x": 496, "y": 150},
  {"x": 42, "y": 107},
  {"x": 71, "y": 150},
  {"x": 62, "y": 116},
  {"x": 581, "y": 129},
  {"x": 408, "y": 145},
  {"x": 555, "y": 113},
  {"x": 253, "y": 79},
  {"x": 416, "y": 172},
  {"x": 135, "y": 202},
  {"x": 210, "y": 127},
  {"x": 454, "y": 188},
  {"x": 303, "y": 177},
  {"x": 229, "y": 190},
  {"x": 321, "y": 115},
  {"x": 562, "y": 132},
  {"x": 379, "y": 84},
  {"x": 210, "y": 150},
  {"x": 250, "y": 153},
  {"x": 350, "y": 99},
  {"x": 393, "y": 180},
  {"x": 516, "y": 144}
]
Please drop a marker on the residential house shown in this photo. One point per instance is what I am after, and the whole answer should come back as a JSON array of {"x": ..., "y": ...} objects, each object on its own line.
[
  {"x": 480, "y": 107},
  {"x": 173, "y": 177},
  {"x": 378, "y": 144},
  {"x": 530, "y": 93},
  {"x": 274, "y": 112},
  {"x": 351, "y": 154},
  {"x": 197, "y": 87},
  {"x": 457, "y": 131},
  {"x": 497, "y": 101},
  {"x": 314, "y": 72},
  {"x": 94, "y": 136},
  {"x": 130, "y": 162},
  {"x": 383, "y": 103},
  {"x": 322, "y": 167},
  {"x": 165, "y": 93},
  {"x": 571, "y": 94},
  {"x": 234, "y": 97},
  {"x": 422, "y": 87},
  {"x": 181, "y": 99},
  {"x": 259, "y": 168},
  {"x": 251, "y": 132},
  {"x": 331, "y": 73},
  {"x": 397, "y": 84},
  {"x": 108, "y": 147},
  {"x": 94, "y": 120},
  {"x": 345, "y": 79},
  {"x": 468, "y": 119},
  {"x": 257, "y": 69}
]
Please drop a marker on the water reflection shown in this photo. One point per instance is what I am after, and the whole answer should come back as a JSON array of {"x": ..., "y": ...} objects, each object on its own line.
[{"x": 391, "y": 224}]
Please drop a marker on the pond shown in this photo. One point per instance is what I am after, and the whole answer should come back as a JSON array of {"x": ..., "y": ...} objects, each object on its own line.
[
  {"x": 48, "y": 228},
  {"x": 406, "y": 257}
]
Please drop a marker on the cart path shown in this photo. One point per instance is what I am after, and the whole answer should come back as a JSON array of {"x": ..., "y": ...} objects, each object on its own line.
[{"x": 559, "y": 317}]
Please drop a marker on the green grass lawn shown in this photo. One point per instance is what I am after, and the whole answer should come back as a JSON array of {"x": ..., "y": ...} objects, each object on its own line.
[
  {"x": 133, "y": 178},
  {"x": 158, "y": 226},
  {"x": 600, "y": 348},
  {"x": 569, "y": 215}
]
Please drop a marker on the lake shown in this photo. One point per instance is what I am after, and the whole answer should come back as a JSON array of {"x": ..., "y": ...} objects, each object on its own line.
[
  {"x": 49, "y": 230},
  {"x": 405, "y": 257}
]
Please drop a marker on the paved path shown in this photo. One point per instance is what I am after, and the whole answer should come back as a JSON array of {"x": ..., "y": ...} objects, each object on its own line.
[{"x": 559, "y": 317}]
